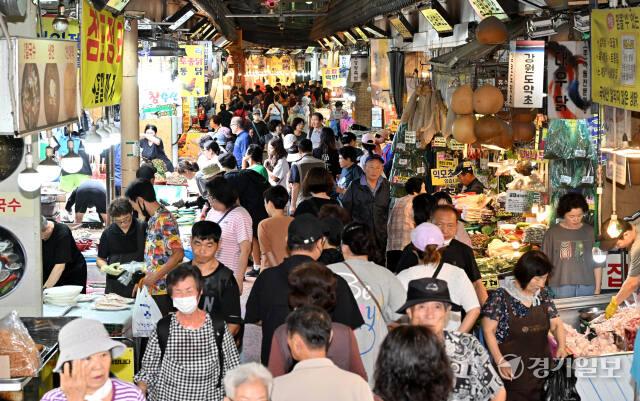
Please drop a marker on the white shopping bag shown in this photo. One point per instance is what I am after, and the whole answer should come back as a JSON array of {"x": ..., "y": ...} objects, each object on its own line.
[{"x": 145, "y": 314}]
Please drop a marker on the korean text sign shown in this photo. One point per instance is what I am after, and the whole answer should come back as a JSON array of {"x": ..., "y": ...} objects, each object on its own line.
[
  {"x": 526, "y": 73},
  {"x": 331, "y": 77},
  {"x": 102, "y": 43},
  {"x": 191, "y": 71},
  {"x": 614, "y": 40},
  {"x": 443, "y": 176},
  {"x": 568, "y": 80}
]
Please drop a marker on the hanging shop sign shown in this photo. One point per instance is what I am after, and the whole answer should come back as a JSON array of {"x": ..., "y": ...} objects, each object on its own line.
[
  {"x": 488, "y": 8},
  {"x": 621, "y": 168},
  {"x": 191, "y": 71},
  {"x": 157, "y": 86},
  {"x": 521, "y": 201},
  {"x": 101, "y": 62},
  {"x": 438, "y": 17},
  {"x": 376, "y": 117},
  {"x": 331, "y": 77},
  {"x": 614, "y": 37},
  {"x": 207, "y": 56},
  {"x": 403, "y": 26},
  {"x": 72, "y": 32},
  {"x": 344, "y": 62},
  {"x": 358, "y": 68},
  {"x": 443, "y": 176},
  {"x": 526, "y": 73},
  {"x": 47, "y": 83},
  {"x": 612, "y": 273},
  {"x": 568, "y": 80}
]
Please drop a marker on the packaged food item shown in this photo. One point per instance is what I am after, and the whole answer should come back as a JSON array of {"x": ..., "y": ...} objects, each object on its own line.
[{"x": 15, "y": 342}]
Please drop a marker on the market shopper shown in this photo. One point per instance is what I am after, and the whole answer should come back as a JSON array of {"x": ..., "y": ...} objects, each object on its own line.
[
  {"x": 317, "y": 121},
  {"x": 443, "y": 198},
  {"x": 368, "y": 199},
  {"x": 248, "y": 382},
  {"x": 253, "y": 160},
  {"x": 351, "y": 171},
  {"x": 235, "y": 222},
  {"x": 569, "y": 245},
  {"x": 268, "y": 303},
  {"x": 349, "y": 139},
  {"x": 429, "y": 304},
  {"x": 401, "y": 223},
  {"x": 315, "y": 377},
  {"x": 430, "y": 240},
  {"x": 147, "y": 172},
  {"x": 332, "y": 229},
  {"x": 84, "y": 362},
  {"x": 272, "y": 231},
  {"x": 163, "y": 247},
  {"x": 313, "y": 284},
  {"x": 327, "y": 151},
  {"x": 464, "y": 172},
  {"x": 276, "y": 164},
  {"x": 220, "y": 294},
  {"x": 152, "y": 147},
  {"x": 88, "y": 194},
  {"x": 225, "y": 116},
  {"x": 275, "y": 111},
  {"x": 298, "y": 125},
  {"x": 412, "y": 365},
  {"x": 318, "y": 183},
  {"x": 378, "y": 292},
  {"x": 628, "y": 238},
  {"x": 299, "y": 171},
  {"x": 516, "y": 320},
  {"x": 242, "y": 140},
  {"x": 183, "y": 358},
  {"x": 62, "y": 262},
  {"x": 121, "y": 242}
]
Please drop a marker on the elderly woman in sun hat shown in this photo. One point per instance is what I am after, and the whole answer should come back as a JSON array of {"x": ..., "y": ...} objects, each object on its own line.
[{"x": 85, "y": 358}]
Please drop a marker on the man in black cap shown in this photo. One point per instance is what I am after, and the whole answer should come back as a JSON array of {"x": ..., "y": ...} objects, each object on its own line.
[
  {"x": 268, "y": 303},
  {"x": 465, "y": 175},
  {"x": 428, "y": 304}
]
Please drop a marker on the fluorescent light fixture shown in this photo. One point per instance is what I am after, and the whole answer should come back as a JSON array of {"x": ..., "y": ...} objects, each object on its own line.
[
  {"x": 339, "y": 42},
  {"x": 273, "y": 50},
  {"x": 582, "y": 22},
  {"x": 438, "y": 17},
  {"x": 181, "y": 17},
  {"x": 310, "y": 50},
  {"x": 375, "y": 31},
  {"x": 207, "y": 30},
  {"x": 328, "y": 43},
  {"x": 538, "y": 27},
  {"x": 321, "y": 44},
  {"x": 209, "y": 35},
  {"x": 403, "y": 26},
  {"x": 296, "y": 51},
  {"x": 361, "y": 33},
  {"x": 350, "y": 37},
  {"x": 199, "y": 26},
  {"x": 221, "y": 42}
]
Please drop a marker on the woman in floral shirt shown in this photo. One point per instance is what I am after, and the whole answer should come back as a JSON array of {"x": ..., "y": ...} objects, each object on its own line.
[{"x": 516, "y": 320}]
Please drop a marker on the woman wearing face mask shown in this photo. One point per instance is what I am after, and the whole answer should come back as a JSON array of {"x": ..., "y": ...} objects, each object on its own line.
[
  {"x": 85, "y": 358},
  {"x": 185, "y": 365}
]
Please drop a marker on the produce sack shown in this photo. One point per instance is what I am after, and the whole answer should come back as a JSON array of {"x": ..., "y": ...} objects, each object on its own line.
[
  {"x": 560, "y": 384},
  {"x": 145, "y": 314},
  {"x": 16, "y": 342}
]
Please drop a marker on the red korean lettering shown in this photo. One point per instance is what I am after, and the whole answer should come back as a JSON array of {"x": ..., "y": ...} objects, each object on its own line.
[
  {"x": 119, "y": 40},
  {"x": 103, "y": 29},
  {"x": 51, "y": 51},
  {"x": 94, "y": 26},
  {"x": 14, "y": 204},
  {"x": 3, "y": 203},
  {"x": 29, "y": 50},
  {"x": 154, "y": 97},
  {"x": 614, "y": 273}
]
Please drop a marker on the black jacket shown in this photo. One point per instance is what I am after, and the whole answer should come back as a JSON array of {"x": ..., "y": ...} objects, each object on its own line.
[
  {"x": 369, "y": 209},
  {"x": 250, "y": 186}
]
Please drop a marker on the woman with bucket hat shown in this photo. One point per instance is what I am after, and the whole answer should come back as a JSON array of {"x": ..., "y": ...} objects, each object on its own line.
[{"x": 85, "y": 357}]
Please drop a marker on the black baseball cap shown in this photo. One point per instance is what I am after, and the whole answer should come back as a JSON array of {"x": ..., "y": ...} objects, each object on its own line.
[
  {"x": 464, "y": 167},
  {"x": 426, "y": 290},
  {"x": 305, "y": 229}
]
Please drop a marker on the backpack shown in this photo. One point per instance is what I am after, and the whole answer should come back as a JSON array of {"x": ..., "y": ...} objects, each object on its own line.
[{"x": 162, "y": 328}]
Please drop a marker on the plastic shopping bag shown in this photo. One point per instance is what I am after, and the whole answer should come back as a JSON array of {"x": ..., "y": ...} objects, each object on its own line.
[
  {"x": 560, "y": 384},
  {"x": 16, "y": 343},
  {"x": 145, "y": 314}
]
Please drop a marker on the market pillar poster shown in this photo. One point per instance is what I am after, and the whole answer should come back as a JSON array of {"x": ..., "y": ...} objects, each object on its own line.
[
  {"x": 101, "y": 62},
  {"x": 614, "y": 38},
  {"x": 568, "y": 80},
  {"x": 526, "y": 73},
  {"x": 191, "y": 71},
  {"x": 331, "y": 77}
]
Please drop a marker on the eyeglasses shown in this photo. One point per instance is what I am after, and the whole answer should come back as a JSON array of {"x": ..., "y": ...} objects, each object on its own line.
[{"x": 124, "y": 220}]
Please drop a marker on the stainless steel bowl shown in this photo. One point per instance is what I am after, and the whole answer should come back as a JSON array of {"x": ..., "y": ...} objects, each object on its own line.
[{"x": 588, "y": 314}]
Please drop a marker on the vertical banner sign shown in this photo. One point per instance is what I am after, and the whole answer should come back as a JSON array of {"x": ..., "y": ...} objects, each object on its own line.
[
  {"x": 208, "y": 56},
  {"x": 526, "y": 73},
  {"x": 614, "y": 37},
  {"x": 101, "y": 63},
  {"x": 191, "y": 71},
  {"x": 568, "y": 83},
  {"x": 331, "y": 77},
  {"x": 358, "y": 68},
  {"x": 344, "y": 62}
]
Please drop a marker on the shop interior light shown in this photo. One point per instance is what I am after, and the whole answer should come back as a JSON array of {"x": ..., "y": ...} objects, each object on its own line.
[
  {"x": 103, "y": 131},
  {"x": 350, "y": 37},
  {"x": 538, "y": 27},
  {"x": 60, "y": 22},
  {"x": 339, "y": 42},
  {"x": 29, "y": 180},
  {"x": 210, "y": 34},
  {"x": 181, "y": 17},
  {"x": 375, "y": 31},
  {"x": 599, "y": 256},
  {"x": 93, "y": 142},
  {"x": 404, "y": 28},
  {"x": 199, "y": 26},
  {"x": 116, "y": 134},
  {"x": 361, "y": 33},
  {"x": 169, "y": 48},
  {"x": 71, "y": 162},
  {"x": 48, "y": 168},
  {"x": 221, "y": 42},
  {"x": 207, "y": 30},
  {"x": 582, "y": 21}
]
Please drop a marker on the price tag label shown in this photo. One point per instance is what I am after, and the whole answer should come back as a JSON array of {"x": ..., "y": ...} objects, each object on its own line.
[
  {"x": 491, "y": 282},
  {"x": 410, "y": 137},
  {"x": 484, "y": 164},
  {"x": 399, "y": 179},
  {"x": 401, "y": 147},
  {"x": 402, "y": 162},
  {"x": 565, "y": 179},
  {"x": 455, "y": 145},
  {"x": 439, "y": 142},
  {"x": 446, "y": 163}
]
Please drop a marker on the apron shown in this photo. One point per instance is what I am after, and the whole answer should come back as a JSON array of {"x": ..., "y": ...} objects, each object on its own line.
[
  {"x": 527, "y": 339},
  {"x": 112, "y": 283}
]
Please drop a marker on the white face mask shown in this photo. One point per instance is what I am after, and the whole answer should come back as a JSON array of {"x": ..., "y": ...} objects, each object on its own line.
[
  {"x": 100, "y": 393},
  {"x": 186, "y": 305}
]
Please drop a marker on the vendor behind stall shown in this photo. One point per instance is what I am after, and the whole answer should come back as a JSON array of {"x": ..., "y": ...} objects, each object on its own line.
[
  {"x": 628, "y": 238},
  {"x": 62, "y": 262},
  {"x": 465, "y": 175},
  {"x": 88, "y": 194},
  {"x": 122, "y": 242}
]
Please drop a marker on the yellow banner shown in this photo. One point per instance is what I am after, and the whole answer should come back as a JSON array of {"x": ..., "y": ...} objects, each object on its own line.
[
  {"x": 331, "y": 77},
  {"x": 101, "y": 65},
  {"x": 191, "y": 70},
  {"x": 443, "y": 176},
  {"x": 72, "y": 32},
  {"x": 122, "y": 366},
  {"x": 614, "y": 42}
]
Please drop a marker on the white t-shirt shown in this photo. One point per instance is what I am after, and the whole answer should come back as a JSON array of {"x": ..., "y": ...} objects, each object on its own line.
[
  {"x": 460, "y": 288},
  {"x": 280, "y": 170}
]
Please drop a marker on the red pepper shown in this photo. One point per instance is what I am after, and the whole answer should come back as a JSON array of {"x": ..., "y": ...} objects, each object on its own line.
[{"x": 8, "y": 280}]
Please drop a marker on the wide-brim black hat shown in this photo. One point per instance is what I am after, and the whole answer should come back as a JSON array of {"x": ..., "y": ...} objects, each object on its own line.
[{"x": 428, "y": 290}]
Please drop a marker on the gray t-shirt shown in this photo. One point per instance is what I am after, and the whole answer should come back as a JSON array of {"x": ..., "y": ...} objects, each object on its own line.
[
  {"x": 390, "y": 294},
  {"x": 571, "y": 253},
  {"x": 634, "y": 254}
]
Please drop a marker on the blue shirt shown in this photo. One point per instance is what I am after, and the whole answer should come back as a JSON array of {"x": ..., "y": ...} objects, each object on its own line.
[
  {"x": 349, "y": 174},
  {"x": 240, "y": 148},
  {"x": 363, "y": 181}
]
